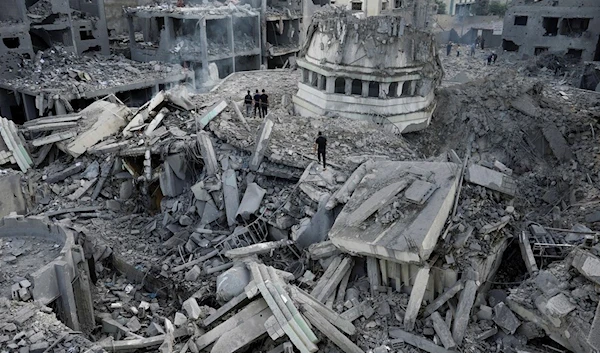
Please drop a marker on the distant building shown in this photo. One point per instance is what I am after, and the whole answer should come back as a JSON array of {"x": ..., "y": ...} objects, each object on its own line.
[
  {"x": 568, "y": 26},
  {"x": 464, "y": 7}
]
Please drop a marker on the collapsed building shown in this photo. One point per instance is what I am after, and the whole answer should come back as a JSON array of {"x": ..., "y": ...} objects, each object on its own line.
[
  {"x": 569, "y": 27},
  {"x": 29, "y": 26},
  {"x": 382, "y": 69}
]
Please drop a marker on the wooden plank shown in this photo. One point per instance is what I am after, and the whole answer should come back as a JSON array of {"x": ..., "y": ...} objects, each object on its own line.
[
  {"x": 328, "y": 273},
  {"x": 330, "y": 331}
]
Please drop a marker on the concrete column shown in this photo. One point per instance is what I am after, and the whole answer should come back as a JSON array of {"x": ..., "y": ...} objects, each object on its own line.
[
  {"x": 203, "y": 49},
  {"x": 67, "y": 298},
  {"x": 401, "y": 87},
  {"x": 132, "y": 43},
  {"x": 320, "y": 79},
  {"x": 413, "y": 87},
  {"x": 330, "y": 84},
  {"x": 384, "y": 88},
  {"x": 29, "y": 105},
  {"x": 5, "y": 105},
  {"x": 310, "y": 77},
  {"x": 348, "y": 86},
  {"x": 258, "y": 34},
  {"x": 83, "y": 295},
  {"x": 231, "y": 39},
  {"x": 169, "y": 32},
  {"x": 365, "y": 88},
  {"x": 59, "y": 107}
]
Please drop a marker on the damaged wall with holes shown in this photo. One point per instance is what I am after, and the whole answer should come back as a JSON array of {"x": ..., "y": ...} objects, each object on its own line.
[
  {"x": 570, "y": 27},
  {"x": 378, "y": 69},
  {"x": 79, "y": 26}
]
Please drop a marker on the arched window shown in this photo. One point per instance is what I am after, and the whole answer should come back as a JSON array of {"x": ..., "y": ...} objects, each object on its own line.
[
  {"x": 340, "y": 85},
  {"x": 373, "y": 89},
  {"x": 357, "y": 87},
  {"x": 406, "y": 88}
]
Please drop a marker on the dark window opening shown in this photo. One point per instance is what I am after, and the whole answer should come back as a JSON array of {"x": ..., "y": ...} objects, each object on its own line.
[
  {"x": 509, "y": 45},
  {"x": 305, "y": 76},
  {"x": 520, "y": 20},
  {"x": 340, "y": 85},
  {"x": 357, "y": 87},
  {"x": 574, "y": 53},
  {"x": 574, "y": 26},
  {"x": 92, "y": 49},
  {"x": 322, "y": 83},
  {"x": 356, "y": 6},
  {"x": 314, "y": 80},
  {"x": 384, "y": 6},
  {"x": 597, "y": 54},
  {"x": 86, "y": 35},
  {"x": 550, "y": 25},
  {"x": 406, "y": 88},
  {"x": 373, "y": 89},
  {"x": 540, "y": 50},
  {"x": 11, "y": 43},
  {"x": 398, "y": 4},
  {"x": 393, "y": 90}
]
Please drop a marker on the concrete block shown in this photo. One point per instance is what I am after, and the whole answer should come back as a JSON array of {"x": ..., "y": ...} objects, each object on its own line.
[
  {"x": 526, "y": 105},
  {"x": 505, "y": 318},
  {"x": 39, "y": 347},
  {"x": 208, "y": 153},
  {"x": 594, "y": 335},
  {"x": 376, "y": 201},
  {"x": 251, "y": 200},
  {"x": 212, "y": 113},
  {"x": 180, "y": 319},
  {"x": 193, "y": 274},
  {"x": 154, "y": 330},
  {"x": 559, "y": 146},
  {"x": 587, "y": 264},
  {"x": 416, "y": 298},
  {"x": 232, "y": 282},
  {"x": 170, "y": 184},
  {"x": 134, "y": 324},
  {"x": 559, "y": 305},
  {"x": 491, "y": 179},
  {"x": 191, "y": 308},
  {"x": 179, "y": 164},
  {"x": 442, "y": 331},
  {"x": 419, "y": 191},
  {"x": 485, "y": 313}
]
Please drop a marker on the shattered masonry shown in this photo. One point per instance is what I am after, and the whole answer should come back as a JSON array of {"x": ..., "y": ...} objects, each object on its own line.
[{"x": 377, "y": 69}]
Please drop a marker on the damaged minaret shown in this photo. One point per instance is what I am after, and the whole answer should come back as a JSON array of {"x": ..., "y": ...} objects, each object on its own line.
[{"x": 381, "y": 68}]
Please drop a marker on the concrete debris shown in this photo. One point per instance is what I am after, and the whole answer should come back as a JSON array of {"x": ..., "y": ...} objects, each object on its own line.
[
  {"x": 505, "y": 318},
  {"x": 491, "y": 179},
  {"x": 251, "y": 201}
]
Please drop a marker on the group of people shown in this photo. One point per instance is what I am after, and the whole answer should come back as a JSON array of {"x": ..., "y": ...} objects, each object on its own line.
[
  {"x": 260, "y": 103},
  {"x": 491, "y": 58}
]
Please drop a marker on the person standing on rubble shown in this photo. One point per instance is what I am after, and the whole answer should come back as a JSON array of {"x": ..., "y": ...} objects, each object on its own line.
[
  {"x": 248, "y": 103},
  {"x": 473, "y": 49},
  {"x": 264, "y": 103},
  {"x": 320, "y": 147},
  {"x": 257, "y": 103},
  {"x": 448, "y": 48}
]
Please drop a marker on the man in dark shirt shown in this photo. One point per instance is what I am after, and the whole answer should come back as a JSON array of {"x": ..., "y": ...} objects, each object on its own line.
[
  {"x": 320, "y": 145},
  {"x": 256, "y": 103},
  {"x": 264, "y": 103},
  {"x": 248, "y": 103}
]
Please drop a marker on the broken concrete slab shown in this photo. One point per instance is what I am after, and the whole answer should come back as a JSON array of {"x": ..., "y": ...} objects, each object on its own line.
[
  {"x": 526, "y": 105},
  {"x": 416, "y": 298},
  {"x": 505, "y": 318},
  {"x": 419, "y": 191},
  {"x": 109, "y": 119},
  {"x": 212, "y": 113},
  {"x": 257, "y": 249},
  {"x": 416, "y": 341},
  {"x": 594, "y": 335},
  {"x": 403, "y": 239},
  {"x": 587, "y": 264},
  {"x": 343, "y": 194},
  {"x": 231, "y": 195},
  {"x": 559, "y": 146},
  {"x": 439, "y": 325},
  {"x": 491, "y": 179},
  {"x": 251, "y": 200},
  {"x": 559, "y": 305},
  {"x": 527, "y": 253},
  {"x": 243, "y": 334},
  {"x": 170, "y": 184},
  {"x": 191, "y": 308},
  {"x": 443, "y": 298},
  {"x": 330, "y": 331},
  {"x": 65, "y": 173},
  {"x": 375, "y": 202},
  {"x": 262, "y": 142},
  {"x": 463, "y": 310},
  {"x": 208, "y": 153}
]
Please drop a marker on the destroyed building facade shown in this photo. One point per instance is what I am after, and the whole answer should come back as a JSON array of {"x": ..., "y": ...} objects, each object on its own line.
[
  {"x": 570, "y": 27},
  {"x": 380, "y": 69},
  {"x": 28, "y": 26}
]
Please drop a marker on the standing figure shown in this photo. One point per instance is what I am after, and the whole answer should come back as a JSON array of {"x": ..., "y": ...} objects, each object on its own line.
[
  {"x": 320, "y": 146},
  {"x": 448, "y": 48},
  {"x": 264, "y": 103},
  {"x": 248, "y": 104},
  {"x": 257, "y": 103}
]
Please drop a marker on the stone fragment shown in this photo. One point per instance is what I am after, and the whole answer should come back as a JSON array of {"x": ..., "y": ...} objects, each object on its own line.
[
  {"x": 505, "y": 318},
  {"x": 154, "y": 330},
  {"x": 559, "y": 305},
  {"x": 193, "y": 274},
  {"x": 134, "y": 324},
  {"x": 180, "y": 319},
  {"x": 38, "y": 347},
  {"x": 191, "y": 308},
  {"x": 485, "y": 313}
]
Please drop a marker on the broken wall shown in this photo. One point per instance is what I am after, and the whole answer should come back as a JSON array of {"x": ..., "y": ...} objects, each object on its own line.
[{"x": 570, "y": 27}]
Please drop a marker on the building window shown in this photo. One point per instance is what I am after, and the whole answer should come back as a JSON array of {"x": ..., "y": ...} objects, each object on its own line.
[
  {"x": 509, "y": 45},
  {"x": 550, "y": 25},
  {"x": 540, "y": 50},
  {"x": 373, "y": 89},
  {"x": 356, "y": 6},
  {"x": 520, "y": 20},
  {"x": 398, "y": 4},
  {"x": 314, "y": 79},
  {"x": 393, "y": 90},
  {"x": 574, "y": 26},
  {"x": 340, "y": 85},
  {"x": 406, "y": 89},
  {"x": 574, "y": 53},
  {"x": 305, "y": 76},
  {"x": 384, "y": 5},
  {"x": 357, "y": 87},
  {"x": 322, "y": 82}
]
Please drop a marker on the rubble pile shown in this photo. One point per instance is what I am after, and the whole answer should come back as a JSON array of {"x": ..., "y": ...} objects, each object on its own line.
[
  {"x": 215, "y": 8},
  {"x": 211, "y": 230}
]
